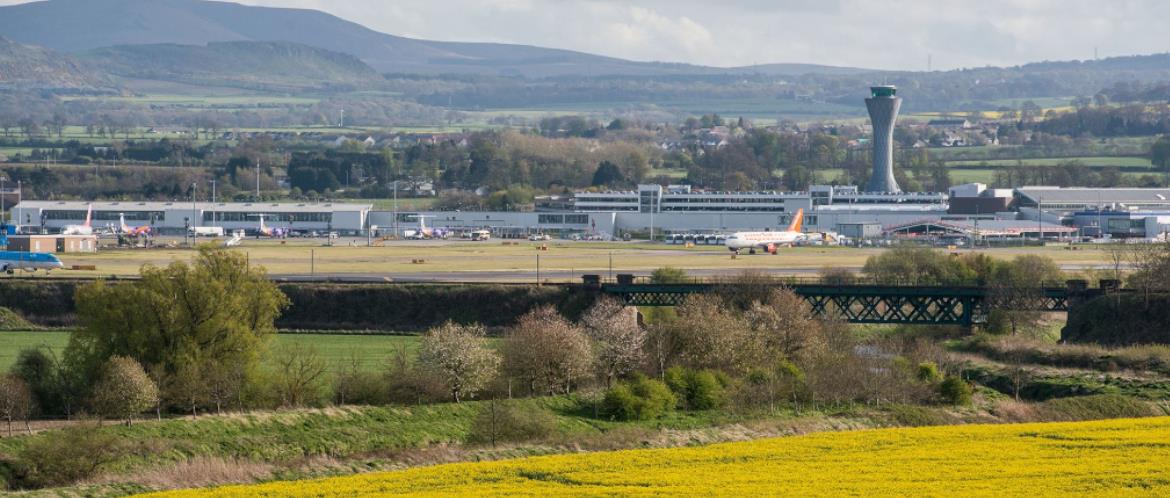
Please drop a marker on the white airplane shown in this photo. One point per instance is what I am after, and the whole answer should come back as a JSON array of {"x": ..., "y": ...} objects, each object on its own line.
[
  {"x": 268, "y": 231},
  {"x": 125, "y": 229},
  {"x": 11, "y": 261},
  {"x": 425, "y": 233},
  {"x": 83, "y": 229},
  {"x": 768, "y": 241}
]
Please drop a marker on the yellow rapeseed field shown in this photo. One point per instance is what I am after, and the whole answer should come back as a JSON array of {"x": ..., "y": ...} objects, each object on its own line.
[{"x": 1105, "y": 458}]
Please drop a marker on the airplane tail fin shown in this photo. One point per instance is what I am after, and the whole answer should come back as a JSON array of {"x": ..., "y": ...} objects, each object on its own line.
[
  {"x": 797, "y": 221},
  {"x": 89, "y": 216}
]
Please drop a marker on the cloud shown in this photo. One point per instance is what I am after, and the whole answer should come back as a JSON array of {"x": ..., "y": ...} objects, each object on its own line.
[{"x": 887, "y": 34}]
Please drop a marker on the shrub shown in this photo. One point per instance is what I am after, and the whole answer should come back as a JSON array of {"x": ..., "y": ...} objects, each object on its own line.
[
  {"x": 640, "y": 399},
  {"x": 67, "y": 456},
  {"x": 836, "y": 275},
  {"x": 998, "y": 322},
  {"x": 698, "y": 389},
  {"x": 511, "y": 422},
  {"x": 955, "y": 391},
  {"x": 669, "y": 275},
  {"x": 359, "y": 388},
  {"x": 928, "y": 372}
]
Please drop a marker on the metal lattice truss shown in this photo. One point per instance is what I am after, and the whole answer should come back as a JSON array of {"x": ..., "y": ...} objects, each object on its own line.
[{"x": 875, "y": 304}]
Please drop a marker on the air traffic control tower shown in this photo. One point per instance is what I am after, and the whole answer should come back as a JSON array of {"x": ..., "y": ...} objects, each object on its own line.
[{"x": 883, "y": 105}]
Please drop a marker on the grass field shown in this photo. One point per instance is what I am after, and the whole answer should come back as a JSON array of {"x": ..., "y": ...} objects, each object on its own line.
[
  {"x": 472, "y": 259},
  {"x": 1100, "y": 161},
  {"x": 372, "y": 351},
  {"x": 1116, "y": 458}
]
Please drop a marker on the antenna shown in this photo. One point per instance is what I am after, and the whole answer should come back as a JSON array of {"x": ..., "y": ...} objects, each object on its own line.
[
  {"x": 1094, "y": 53},
  {"x": 342, "y": 123}
]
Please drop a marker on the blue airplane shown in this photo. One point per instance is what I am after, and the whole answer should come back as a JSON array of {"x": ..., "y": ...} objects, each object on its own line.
[{"x": 11, "y": 261}]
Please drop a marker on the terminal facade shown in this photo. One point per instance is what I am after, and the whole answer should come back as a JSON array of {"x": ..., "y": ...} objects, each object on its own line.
[{"x": 1120, "y": 213}]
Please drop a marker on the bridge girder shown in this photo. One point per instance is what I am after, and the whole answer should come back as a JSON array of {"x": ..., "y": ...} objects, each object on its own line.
[{"x": 924, "y": 305}]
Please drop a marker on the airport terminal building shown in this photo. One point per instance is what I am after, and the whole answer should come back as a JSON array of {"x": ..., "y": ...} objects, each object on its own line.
[
  {"x": 172, "y": 218},
  {"x": 663, "y": 210}
]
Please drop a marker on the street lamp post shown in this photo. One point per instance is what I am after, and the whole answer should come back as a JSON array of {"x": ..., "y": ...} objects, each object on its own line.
[
  {"x": 213, "y": 217},
  {"x": 3, "y": 218},
  {"x": 194, "y": 210}
]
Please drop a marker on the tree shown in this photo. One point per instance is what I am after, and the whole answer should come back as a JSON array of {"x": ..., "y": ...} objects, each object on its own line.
[
  {"x": 123, "y": 390},
  {"x": 607, "y": 174},
  {"x": 782, "y": 327},
  {"x": 706, "y": 334},
  {"x": 217, "y": 311},
  {"x": 1018, "y": 284},
  {"x": 546, "y": 352},
  {"x": 798, "y": 178},
  {"x": 917, "y": 265},
  {"x": 300, "y": 375},
  {"x": 15, "y": 401},
  {"x": 54, "y": 387},
  {"x": 457, "y": 355},
  {"x": 1160, "y": 152},
  {"x": 617, "y": 337}
]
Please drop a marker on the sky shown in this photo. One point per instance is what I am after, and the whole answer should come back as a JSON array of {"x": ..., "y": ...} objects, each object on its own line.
[{"x": 878, "y": 34}]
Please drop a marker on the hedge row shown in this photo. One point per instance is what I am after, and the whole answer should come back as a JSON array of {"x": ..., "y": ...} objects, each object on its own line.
[{"x": 383, "y": 307}]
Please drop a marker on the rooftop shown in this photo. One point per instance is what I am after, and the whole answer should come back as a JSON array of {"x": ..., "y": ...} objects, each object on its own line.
[
  {"x": 287, "y": 207},
  {"x": 1096, "y": 195}
]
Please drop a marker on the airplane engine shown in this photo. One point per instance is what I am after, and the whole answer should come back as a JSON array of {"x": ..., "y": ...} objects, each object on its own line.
[{"x": 771, "y": 248}]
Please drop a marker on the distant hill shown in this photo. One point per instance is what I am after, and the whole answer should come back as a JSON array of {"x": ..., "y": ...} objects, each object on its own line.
[
  {"x": 24, "y": 66},
  {"x": 81, "y": 25},
  {"x": 257, "y": 65}
]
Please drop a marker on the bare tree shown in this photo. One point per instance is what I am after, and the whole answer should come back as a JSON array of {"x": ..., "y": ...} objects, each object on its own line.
[
  {"x": 457, "y": 355},
  {"x": 123, "y": 390},
  {"x": 300, "y": 372},
  {"x": 1150, "y": 264},
  {"x": 1018, "y": 286},
  {"x": 547, "y": 352},
  {"x": 186, "y": 387},
  {"x": 15, "y": 400},
  {"x": 617, "y": 337}
]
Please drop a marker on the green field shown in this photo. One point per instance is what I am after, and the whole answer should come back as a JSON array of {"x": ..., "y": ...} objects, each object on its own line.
[
  {"x": 761, "y": 107},
  {"x": 1102, "y": 161},
  {"x": 373, "y": 352}
]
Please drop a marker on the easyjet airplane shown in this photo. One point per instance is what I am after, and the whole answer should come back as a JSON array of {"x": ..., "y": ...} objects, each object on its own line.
[{"x": 768, "y": 241}]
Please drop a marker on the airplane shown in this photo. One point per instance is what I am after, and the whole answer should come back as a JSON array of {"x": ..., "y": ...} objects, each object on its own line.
[
  {"x": 128, "y": 230},
  {"x": 268, "y": 231},
  {"x": 10, "y": 261},
  {"x": 425, "y": 233},
  {"x": 767, "y": 241},
  {"x": 83, "y": 229}
]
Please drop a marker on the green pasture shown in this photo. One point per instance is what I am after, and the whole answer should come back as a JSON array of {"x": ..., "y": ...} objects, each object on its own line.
[
  {"x": 372, "y": 352},
  {"x": 1101, "y": 161}
]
